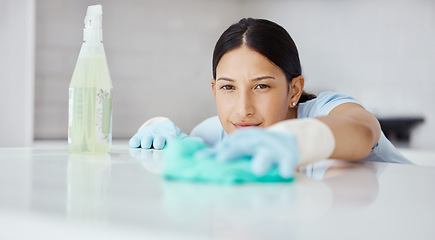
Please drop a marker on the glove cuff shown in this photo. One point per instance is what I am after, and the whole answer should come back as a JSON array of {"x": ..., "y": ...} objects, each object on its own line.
[
  {"x": 152, "y": 121},
  {"x": 315, "y": 139}
]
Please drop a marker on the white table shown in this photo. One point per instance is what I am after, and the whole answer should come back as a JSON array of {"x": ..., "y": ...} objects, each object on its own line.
[{"x": 45, "y": 193}]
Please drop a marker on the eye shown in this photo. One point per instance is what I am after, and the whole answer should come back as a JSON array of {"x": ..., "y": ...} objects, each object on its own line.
[
  {"x": 227, "y": 87},
  {"x": 262, "y": 86}
]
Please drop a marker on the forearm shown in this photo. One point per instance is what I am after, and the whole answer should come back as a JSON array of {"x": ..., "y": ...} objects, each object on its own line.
[
  {"x": 349, "y": 132},
  {"x": 353, "y": 139},
  {"x": 315, "y": 139}
]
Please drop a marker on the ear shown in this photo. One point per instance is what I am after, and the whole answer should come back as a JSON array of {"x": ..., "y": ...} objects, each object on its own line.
[
  {"x": 213, "y": 87},
  {"x": 296, "y": 89}
]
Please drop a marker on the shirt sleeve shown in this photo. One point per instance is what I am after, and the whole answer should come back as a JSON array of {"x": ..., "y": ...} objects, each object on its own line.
[
  {"x": 323, "y": 104},
  {"x": 210, "y": 130}
]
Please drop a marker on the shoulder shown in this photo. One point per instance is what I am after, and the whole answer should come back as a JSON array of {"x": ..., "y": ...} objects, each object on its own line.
[
  {"x": 210, "y": 130},
  {"x": 323, "y": 104}
]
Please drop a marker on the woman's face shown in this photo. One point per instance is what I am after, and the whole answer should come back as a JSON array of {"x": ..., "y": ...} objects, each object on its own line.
[{"x": 250, "y": 90}]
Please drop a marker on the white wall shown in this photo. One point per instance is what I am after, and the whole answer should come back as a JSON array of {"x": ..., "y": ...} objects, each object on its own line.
[
  {"x": 17, "y": 27},
  {"x": 159, "y": 52}
]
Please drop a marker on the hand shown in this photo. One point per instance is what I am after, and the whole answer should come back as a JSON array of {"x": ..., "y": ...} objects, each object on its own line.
[
  {"x": 266, "y": 149},
  {"x": 156, "y": 135}
]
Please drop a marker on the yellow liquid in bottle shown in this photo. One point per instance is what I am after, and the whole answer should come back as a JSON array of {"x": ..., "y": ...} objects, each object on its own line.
[{"x": 90, "y": 103}]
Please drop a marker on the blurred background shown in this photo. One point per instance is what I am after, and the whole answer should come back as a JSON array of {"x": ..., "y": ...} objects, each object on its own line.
[{"x": 382, "y": 52}]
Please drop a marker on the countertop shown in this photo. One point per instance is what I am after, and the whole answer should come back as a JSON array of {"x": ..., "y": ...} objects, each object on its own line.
[{"x": 46, "y": 193}]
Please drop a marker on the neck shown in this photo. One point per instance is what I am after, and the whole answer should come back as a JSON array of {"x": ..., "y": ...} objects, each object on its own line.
[{"x": 292, "y": 113}]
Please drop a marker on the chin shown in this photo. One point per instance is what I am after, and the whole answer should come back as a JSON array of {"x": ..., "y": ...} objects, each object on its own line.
[{"x": 230, "y": 130}]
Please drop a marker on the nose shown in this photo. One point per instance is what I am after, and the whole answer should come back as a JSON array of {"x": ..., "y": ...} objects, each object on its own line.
[{"x": 245, "y": 104}]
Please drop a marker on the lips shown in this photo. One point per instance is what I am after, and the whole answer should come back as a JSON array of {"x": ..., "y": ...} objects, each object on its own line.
[{"x": 243, "y": 125}]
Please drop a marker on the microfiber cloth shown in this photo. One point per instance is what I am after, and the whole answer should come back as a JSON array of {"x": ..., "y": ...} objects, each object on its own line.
[{"x": 181, "y": 164}]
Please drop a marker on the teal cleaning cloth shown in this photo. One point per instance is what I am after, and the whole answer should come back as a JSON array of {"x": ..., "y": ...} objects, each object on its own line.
[{"x": 181, "y": 164}]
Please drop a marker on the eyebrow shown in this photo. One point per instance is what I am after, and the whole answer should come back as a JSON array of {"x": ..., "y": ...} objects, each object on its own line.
[{"x": 255, "y": 79}]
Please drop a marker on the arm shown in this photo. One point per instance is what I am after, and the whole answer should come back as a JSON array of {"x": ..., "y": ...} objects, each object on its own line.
[
  {"x": 348, "y": 132},
  {"x": 355, "y": 131}
]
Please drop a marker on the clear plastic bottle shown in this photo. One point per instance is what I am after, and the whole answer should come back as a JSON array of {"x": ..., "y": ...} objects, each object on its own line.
[{"x": 90, "y": 92}]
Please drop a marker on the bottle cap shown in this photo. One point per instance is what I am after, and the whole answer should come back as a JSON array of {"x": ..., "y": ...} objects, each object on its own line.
[{"x": 93, "y": 30}]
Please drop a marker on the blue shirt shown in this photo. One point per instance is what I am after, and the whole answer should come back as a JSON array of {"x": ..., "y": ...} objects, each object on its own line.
[{"x": 212, "y": 131}]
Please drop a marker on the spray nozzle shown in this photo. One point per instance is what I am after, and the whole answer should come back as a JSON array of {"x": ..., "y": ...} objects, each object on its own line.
[
  {"x": 94, "y": 23},
  {"x": 94, "y": 17}
]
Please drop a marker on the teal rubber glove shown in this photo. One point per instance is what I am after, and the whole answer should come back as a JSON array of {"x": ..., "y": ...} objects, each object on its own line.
[
  {"x": 265, "y": 148},
  {"x": 156, "y": 135}
]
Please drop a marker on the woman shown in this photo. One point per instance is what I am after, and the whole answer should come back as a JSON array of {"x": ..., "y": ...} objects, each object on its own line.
[{"x": 264, "y": 112}]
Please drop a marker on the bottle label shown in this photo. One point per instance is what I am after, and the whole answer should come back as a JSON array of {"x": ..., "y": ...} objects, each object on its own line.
[{"x": 103, "y": 116}]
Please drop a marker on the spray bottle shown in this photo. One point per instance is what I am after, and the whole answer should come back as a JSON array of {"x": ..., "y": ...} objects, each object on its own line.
[{"x": 90, "y": 92}]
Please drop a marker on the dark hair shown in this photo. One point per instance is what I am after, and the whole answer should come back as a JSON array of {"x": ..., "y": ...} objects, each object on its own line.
[{"x": 267, "y": 38}]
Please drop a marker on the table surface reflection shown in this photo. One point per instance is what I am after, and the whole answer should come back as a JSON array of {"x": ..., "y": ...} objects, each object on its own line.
[{"x": 46, "y": 192}]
